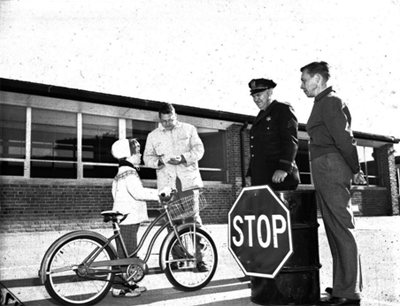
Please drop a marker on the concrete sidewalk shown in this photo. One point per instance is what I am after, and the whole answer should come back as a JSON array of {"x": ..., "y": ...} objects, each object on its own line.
[{"x": 378, "y": 237}]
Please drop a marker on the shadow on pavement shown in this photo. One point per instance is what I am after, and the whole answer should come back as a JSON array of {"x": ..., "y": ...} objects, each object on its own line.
[{"x": 162, "y": 296}]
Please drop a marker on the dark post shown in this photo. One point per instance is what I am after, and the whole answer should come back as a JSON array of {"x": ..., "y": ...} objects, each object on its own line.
[{"x": 298, "y": 281}]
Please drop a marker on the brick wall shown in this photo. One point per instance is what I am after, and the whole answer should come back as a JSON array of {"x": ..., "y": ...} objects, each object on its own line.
[
  {"x": 387, "y": 168},
  {"x": 371, "y": 202},
  {"x": 30, "y": 206},
  {"x": 234, "y": 153},
  {"x": 27, "y": 205}
]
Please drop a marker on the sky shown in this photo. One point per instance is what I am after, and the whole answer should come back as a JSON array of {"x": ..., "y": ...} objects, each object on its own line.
[{"x": 204, "y": 53}]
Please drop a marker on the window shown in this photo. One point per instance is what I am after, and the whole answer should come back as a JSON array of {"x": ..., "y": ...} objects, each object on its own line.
[
  {"x": 368, "y": 165},
  {"x": 39, "y": 142},
  {"x": 74, "y": 142},
  {"x": 140, "y": 129},
  {"x": 366, "y": 156},
  {"x": 53, "y": 144},
  {"x": 213, "y": 164},
  {"x": 98, "y": 135},
  {"x": 12, "y": 140}
]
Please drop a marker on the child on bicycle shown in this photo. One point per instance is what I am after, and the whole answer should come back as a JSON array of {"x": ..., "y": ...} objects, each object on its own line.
[{"x": 129, "y": 198}]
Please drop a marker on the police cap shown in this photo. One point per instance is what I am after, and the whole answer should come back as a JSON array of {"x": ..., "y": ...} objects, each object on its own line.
[{"x": 258, "y": 85}]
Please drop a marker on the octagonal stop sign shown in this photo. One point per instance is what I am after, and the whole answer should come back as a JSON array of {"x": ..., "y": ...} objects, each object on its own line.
[{"x": 259, "y": 230}]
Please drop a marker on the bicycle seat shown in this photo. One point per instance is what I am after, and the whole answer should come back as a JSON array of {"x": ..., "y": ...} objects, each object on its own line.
[{"x": 114, "y": 216}]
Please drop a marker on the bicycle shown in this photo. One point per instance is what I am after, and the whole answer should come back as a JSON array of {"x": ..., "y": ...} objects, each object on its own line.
[{"x": 79, "y": 268}]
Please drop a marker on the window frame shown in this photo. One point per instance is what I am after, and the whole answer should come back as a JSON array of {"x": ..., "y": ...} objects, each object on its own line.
[
  {"x": 29, "y": 128},
  {"x": 363, "y": 160}
]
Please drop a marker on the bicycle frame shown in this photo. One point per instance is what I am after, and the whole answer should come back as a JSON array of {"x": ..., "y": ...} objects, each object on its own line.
[
  {"x": 169, "y": 222},
  {"x": 89, "y": 266}
]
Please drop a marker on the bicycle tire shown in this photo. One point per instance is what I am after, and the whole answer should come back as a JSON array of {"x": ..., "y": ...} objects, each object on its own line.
[
  {"x": 183, "y": 273},
  {"x": 69, "y": 288}
]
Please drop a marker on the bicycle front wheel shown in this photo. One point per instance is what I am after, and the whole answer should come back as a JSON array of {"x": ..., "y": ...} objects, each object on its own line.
[
  {"x": 194, "y": 270},
  {"x": 67, "y": 279}
]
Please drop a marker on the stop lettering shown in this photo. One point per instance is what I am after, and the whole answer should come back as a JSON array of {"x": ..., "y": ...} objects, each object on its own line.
[{"x": 263, "y": 224}]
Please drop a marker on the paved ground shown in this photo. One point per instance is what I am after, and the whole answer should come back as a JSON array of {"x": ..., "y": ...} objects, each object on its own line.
[{"x": 378, "y": 239}]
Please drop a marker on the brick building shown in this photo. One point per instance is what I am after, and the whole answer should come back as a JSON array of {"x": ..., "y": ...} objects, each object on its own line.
[{"x": 56, "y": 166}]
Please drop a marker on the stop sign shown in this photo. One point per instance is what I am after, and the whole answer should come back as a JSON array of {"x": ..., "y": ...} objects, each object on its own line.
[{"x": 260, "y": 236}]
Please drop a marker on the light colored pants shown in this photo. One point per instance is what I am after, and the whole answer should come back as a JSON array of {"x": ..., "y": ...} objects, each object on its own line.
[
  {"x": 195, "y": 218},
  {"x": 332, "y": 180}
]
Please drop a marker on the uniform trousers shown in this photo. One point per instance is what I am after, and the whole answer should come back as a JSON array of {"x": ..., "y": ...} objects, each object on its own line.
[{"x": 332, "y": 180}]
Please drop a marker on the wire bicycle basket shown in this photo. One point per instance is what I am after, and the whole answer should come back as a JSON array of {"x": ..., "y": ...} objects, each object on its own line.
[{"x": 187, "y": 207}]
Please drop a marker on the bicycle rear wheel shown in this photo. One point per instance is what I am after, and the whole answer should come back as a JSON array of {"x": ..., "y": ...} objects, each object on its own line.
[
  {"x": 184, "y": 272},
  {"x": 68, "y": 281}
]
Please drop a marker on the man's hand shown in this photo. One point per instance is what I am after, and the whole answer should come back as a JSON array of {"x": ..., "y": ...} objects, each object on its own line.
[
  {"x": 359, "y": 178},
  {"x": 279, "y": 176},
  {"x": 177, "y": 160}
]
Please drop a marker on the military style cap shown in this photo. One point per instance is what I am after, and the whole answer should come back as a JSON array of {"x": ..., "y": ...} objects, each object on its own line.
[{"x": 258, "y": 85}]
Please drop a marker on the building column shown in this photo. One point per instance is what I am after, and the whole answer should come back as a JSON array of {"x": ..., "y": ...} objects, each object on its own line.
[
  {"x": 387, "y": 169},
  {"x": 234, "y": 154}
]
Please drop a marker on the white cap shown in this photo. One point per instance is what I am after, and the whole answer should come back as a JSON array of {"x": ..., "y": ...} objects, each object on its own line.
[{"x": 121, "y": 149}]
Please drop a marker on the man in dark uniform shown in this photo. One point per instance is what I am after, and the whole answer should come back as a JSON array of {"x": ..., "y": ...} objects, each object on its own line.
[{"x": 273, "y": 140}]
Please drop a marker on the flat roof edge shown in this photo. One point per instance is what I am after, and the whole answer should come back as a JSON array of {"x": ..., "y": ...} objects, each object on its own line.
[{"x": 32, "y": 88}]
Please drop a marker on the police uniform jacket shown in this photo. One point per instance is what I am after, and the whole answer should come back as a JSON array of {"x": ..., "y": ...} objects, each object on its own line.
[{"x": 273, "y": 146}]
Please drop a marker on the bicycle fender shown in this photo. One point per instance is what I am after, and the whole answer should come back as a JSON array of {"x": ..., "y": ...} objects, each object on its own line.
[
  {"x": 56, "y": 244},
  {"x": 167, "y": 240}
]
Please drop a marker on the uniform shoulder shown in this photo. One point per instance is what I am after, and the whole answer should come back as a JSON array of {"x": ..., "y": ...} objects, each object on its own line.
[
  {"x": 333, "y": 95},
  {"x": 332, "y": 99},
  {"x": 285, "y": 106}
]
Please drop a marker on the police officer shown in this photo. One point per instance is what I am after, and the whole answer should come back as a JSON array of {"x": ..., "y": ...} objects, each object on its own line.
[{"x": 273, "y": 140}]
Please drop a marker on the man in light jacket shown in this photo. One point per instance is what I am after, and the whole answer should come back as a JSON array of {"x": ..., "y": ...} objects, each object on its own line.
[{"x": 174, "y": 149}]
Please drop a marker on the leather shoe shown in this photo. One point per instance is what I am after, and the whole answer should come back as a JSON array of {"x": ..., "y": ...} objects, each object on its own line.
[{"x": 337, "y": 301}]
